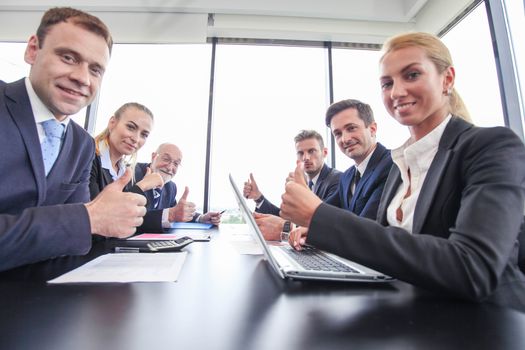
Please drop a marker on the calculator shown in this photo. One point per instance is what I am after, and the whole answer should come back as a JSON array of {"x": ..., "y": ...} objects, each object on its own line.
[{"x": 132, "y": 246}]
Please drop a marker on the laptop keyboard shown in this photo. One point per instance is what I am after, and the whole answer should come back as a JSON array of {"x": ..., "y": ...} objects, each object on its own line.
[{"x": 312, "y": 259}]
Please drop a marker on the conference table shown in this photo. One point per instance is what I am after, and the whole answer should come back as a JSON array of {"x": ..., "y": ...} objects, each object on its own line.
[{"x": 226, "y": 300}]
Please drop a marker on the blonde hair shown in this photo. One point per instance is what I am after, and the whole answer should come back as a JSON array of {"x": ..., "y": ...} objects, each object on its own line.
[
  {"x": 103, "y": 137},
  {"x": 438, "y": 53}
]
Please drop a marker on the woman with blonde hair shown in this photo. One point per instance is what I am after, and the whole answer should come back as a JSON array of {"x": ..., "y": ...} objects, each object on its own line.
[
  {"x": 117, "y": 147},
  {"x": 453, "y": 203}
]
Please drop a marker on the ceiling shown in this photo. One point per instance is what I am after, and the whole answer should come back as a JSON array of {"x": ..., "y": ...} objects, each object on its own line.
[{"x": 194, "y": 21}]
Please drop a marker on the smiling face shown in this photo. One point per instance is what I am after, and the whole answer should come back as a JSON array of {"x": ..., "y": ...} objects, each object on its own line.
[
  {"x": 413, "y": 90},
  {"x": 128, "y": 133},
  {"x": 66, "y": 72},
  {"x": 354, "y": 139},
  {"x": 166, "y": 161}
]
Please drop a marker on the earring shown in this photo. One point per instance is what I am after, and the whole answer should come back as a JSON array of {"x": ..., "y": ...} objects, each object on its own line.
[{"x": 447, "y": 92}]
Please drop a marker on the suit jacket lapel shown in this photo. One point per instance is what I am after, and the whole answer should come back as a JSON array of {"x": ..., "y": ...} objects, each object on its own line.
[
  {"x": 347, "y": 189},
  {"x": 435, "y": 173},
  {"x": 324, "y": 173},
  {"x": 392, "y": 184},
  {"x": 372, "y": 163},
  {"x": 22, "y": 114}
]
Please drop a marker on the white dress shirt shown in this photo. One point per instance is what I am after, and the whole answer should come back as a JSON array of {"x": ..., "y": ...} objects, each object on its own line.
[{"x": 417, "y": 157}]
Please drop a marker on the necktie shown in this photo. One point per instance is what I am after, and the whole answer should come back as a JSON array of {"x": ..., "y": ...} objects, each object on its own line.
[
  {"x": 310, "y": 184},
  {"x": 51, "y": 144},
  {"x": 156, "y": 198},
  {"x": 357, "y": 177}
]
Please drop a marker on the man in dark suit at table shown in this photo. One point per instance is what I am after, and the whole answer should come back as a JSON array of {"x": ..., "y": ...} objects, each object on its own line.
[
  {"x": 322, "y": 179},
  {"x": 360, "y": 187},
  {"x": 162, "y": 205},
  {"x": 46, "y": 166},
  {"x": 354, "y": 128}
]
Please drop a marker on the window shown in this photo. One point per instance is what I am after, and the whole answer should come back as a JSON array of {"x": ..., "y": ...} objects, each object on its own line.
[
  {"x": 173, "y": 82},
  {"x": 470, "y": 45},
  {"x": 264, "y": 95},
  {"x": 356, "y": 76}
]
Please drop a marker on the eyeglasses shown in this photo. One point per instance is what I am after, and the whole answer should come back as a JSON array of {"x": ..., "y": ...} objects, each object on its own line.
[{"x": 167, "y": 159}]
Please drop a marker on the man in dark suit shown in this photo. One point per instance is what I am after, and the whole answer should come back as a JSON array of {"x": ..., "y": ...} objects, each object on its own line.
[
  {"x": 162, "y": 205},
  {"x": 354, "y": 128},
  {"x": 360, "y": 187},
  {"x": 46, "y": 167},
  {"x": 322, "y": 179}
]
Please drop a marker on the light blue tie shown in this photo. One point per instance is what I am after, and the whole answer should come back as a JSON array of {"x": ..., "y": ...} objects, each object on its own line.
[{"x": 51, "y": 144}]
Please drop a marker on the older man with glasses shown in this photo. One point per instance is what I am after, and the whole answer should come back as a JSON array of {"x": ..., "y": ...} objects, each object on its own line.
[{"x": 162, "y": 206}]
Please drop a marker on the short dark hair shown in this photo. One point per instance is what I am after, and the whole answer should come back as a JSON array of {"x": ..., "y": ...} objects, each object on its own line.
[
  {"x": 363, "y": 110},
  {"x": 309, "y": 134},
  {"x": 83, "y": 19}
]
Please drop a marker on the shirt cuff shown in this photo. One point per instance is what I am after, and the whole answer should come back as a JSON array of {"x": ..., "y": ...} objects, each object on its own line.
[{"x": 165, "y": 216}]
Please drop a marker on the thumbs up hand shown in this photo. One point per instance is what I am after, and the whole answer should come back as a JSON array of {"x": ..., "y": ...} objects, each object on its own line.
[
  {"x": 114, "y": 213},
  {"x": 150, "y": 181},
  {"x": 184, "y": 210},
  {"x": 298, "y": 202}
]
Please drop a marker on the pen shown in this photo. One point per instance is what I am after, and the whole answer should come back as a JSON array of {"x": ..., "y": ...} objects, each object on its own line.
[{"x": 222, "y": 212}]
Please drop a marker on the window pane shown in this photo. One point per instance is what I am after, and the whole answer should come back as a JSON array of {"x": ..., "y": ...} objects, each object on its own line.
[
  {"x": 173, "y": 82},
  {"x": 356, "y": 76},
  {"x": 470, "y": 45},
  {"x": 264, "y": 95}
]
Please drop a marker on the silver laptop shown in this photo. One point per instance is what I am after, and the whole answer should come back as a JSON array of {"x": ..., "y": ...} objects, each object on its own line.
[{"x": 310, "y": 263}]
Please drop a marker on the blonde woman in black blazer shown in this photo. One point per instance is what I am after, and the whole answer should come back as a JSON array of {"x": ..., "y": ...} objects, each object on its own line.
[{"x": 454, "y": 233}]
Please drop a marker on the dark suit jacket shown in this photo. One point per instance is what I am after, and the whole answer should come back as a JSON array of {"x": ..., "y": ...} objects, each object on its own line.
[
  {"x": 327, "y": 185},
  {"x": 365, "y": 200},
  {"x": 101, "y": 177},
  {"x": 466, "y": 221},
  {"x": 153, "y": 218},
  {"x": 38, "y": 219}
]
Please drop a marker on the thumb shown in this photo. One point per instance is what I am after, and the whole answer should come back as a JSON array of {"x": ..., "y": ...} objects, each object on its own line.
[
  {"x": 148, "y": 171},
  {"x": 252, "y": 179},
  {"x": 299, "y": 173},
  {"x": 121, "y": 182},
  {"x": 259, "y": 215},
  {"x": 185, "y": 194}
]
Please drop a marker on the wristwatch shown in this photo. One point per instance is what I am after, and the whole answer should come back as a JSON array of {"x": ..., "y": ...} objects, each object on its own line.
[
  {"x": 259, "y": 200},
  {"x": 287, "y": 227}
]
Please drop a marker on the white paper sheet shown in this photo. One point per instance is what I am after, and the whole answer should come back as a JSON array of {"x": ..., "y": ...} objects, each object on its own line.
[
  {"x": 127, "y": 267},
  {"x": 245, "y": 244}
]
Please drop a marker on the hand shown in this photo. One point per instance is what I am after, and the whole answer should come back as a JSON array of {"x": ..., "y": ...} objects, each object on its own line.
[
  {"x": 250, "y": 190},
  {"x": 298, "y": 202},
  {"x": 297, "y": 237},
  {"x": 271, "y": 226},
  {"x": 183, "y": 211},
  {"x": 290, "y": 177},
  {"x": 150, "y": 181},
  {"x": 211, "y": 217},
  {"x": 114, "y": 213}
]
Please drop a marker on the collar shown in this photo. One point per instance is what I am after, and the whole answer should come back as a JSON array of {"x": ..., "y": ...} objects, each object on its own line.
[
  {"x": 105, "y": 161},
  {"x": 427, "y": 143},
  {"x": 362, "y": 166},
  {"x": 40, "y": 111}
]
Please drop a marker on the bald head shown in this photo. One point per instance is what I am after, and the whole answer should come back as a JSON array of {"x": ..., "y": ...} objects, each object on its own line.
[{"x": 166, "y": 160}]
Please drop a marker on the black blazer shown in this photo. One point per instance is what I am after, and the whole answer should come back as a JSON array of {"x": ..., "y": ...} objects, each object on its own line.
[
  {"x": 153, "y": 218},
  {"x": 40, "y": 217},
  {"x": 101, "y": 177},
  {"x": 365, "y": 200},
  {"x": 326, "y": 186},
  {"x": 466, "y": 221}
]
